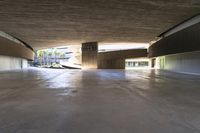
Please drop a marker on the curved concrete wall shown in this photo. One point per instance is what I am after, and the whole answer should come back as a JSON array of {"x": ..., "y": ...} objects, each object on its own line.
[
  {"x": 179, "y": 52},
  {"x": 13, "y": 49},
  {"x": 13, "y": 55}
]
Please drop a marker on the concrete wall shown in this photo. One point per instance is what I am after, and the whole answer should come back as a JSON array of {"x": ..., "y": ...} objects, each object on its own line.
[
  {"x": 185, "y": 62},
  {"x": 116, "y": 59},
  {"x": 111, "y": 64},
  {"x": 12, "y": 63}
]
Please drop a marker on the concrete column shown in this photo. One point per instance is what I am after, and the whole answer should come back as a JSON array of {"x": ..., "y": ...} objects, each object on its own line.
[{"x": 89, "y": 55}]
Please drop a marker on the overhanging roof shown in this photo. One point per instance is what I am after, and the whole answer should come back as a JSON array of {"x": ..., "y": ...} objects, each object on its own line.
[{"x": 47, "y": 23}]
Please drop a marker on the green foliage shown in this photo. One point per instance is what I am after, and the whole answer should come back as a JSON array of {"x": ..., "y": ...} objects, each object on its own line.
[
  {"x": 55, "y": 65},
  {"x": 40, "y": 54},
  {"x": 62, "y": 54}
]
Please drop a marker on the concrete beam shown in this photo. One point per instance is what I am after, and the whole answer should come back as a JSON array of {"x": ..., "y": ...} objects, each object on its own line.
[
  {"x": 186, "y": 40},
  {"x": 11, "y": 48},
  {"x": 183, "y": 25}
]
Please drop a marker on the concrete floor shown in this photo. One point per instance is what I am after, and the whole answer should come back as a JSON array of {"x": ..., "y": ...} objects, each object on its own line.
[{"x": 99, "y": 101}]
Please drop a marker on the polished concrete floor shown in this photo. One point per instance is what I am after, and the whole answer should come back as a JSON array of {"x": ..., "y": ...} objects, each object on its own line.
[{"x": 99, "y": 101}]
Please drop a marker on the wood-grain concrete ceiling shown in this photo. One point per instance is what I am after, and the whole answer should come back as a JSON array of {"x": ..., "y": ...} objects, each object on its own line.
[{"x": 47, "y": 23}]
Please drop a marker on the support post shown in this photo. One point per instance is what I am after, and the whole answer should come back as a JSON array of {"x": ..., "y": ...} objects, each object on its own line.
[{"x": 89, "y": 55}]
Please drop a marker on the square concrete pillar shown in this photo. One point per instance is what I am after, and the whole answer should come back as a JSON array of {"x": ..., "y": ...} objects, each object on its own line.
[{"x": 89, "y": 55}]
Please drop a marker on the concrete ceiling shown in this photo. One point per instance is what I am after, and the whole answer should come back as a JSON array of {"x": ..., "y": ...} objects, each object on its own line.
[{"x": 46, "y": 23}]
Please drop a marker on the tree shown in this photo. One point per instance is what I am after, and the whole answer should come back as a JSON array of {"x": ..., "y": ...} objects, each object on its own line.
[
  {"x": 40, "y": 56},
  {"x": 45, "y": 56},
  {"x": 50, "y": 53},
  {"x": 62, "y": 54}
]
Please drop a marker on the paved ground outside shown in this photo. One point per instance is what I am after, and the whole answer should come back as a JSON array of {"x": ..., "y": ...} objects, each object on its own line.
[{"x": 99, "y": 101}]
